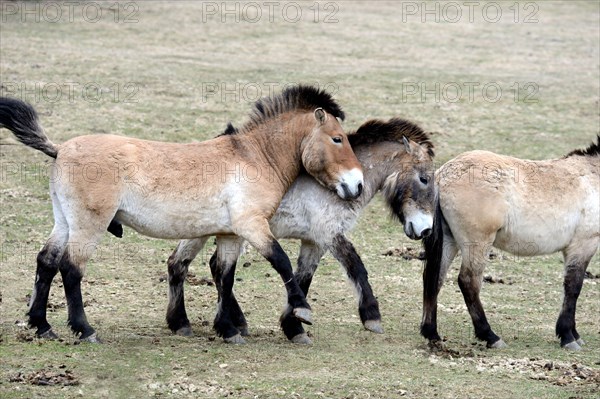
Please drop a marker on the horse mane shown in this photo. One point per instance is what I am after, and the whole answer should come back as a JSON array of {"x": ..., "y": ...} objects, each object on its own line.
[
  {"x": 592, "y": 150},
  {"x": 377, "y": 131},
  {"x": 299, "y": 97},
  {"x": 229, "y": 130}
]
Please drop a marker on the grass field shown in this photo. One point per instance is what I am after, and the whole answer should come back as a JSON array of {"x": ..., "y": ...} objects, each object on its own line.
[{"x": 527, "y": 85}]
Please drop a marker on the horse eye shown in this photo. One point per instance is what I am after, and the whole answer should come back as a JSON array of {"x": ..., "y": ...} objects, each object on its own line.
[
  {"x": 337, "y": 140},
  {"x": 424, "y": 180}
]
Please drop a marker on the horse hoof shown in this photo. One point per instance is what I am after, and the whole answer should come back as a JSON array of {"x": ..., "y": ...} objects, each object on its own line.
[
  {"x": 580, "y": 342},
  {"x": 48, "y": 335},
  {"x": 498, "y": 344},
  {"x": 243, "y": 331},
  {"x": 91, "y": 339},
  {"x": 304, "y": 315},
  {"x": 572, "y": 346},
  {"x": 236, "y": 339},
  {"x": 436, "y": 345},
  {"x": 185, "y": 332},
  {"x": 302, "y": 339},
  {"x": 374, "y": 326}
]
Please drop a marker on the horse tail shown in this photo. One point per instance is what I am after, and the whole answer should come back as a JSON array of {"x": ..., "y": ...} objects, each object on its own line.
[
  {"x": 434, "y": 245},
  {"x": 21, "y": 119}
]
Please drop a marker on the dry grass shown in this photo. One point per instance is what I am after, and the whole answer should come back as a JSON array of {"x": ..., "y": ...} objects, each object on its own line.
[{"x": 370, "y": 57}]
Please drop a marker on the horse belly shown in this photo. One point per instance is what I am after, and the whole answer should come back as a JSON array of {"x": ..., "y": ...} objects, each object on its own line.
[
  {"x": 529, "y": 236},
  {"x": 176, "y": 220}
]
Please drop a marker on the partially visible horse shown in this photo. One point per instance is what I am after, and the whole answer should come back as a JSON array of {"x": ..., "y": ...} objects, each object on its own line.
[
  {"x": 397, "y": 158},
  {"x": 523, "y": 207},
  {"x": 227, "y": 185}
]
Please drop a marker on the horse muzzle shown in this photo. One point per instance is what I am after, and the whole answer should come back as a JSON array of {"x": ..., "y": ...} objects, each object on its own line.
[
  {"x": 418, "y": 226},
  {"x": 350, "y": 185}
]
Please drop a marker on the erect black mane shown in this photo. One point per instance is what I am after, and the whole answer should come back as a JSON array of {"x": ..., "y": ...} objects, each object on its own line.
[
  {"x": 229, "y": 130},
  {"x": 377, "y": 131},
  {"x": 300, "y": 97},
  {"x": 592, "y": 150}
]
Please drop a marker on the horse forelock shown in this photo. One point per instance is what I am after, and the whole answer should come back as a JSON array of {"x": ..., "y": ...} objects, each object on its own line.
[
  {"x": 377, "y": 131},
  {"x": 395, "y": 190},
  {"x": 592, "y": 150},
  {"x": 295, "y": 98}
]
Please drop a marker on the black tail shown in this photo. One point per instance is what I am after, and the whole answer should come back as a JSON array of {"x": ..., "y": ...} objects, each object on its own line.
[
  {"x": 21, "y": 119},
  {"x": 434, "y": 245}
]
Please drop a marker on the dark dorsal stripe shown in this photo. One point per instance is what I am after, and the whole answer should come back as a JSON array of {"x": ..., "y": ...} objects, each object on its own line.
[
  {"x": 295, "y": 98},
  {"x": 592, "y": 150},
  {"x": 377, "y": 131}
]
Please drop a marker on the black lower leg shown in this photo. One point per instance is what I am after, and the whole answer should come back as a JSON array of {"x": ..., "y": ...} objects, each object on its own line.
[
  {"x": 575, "y": 333},
  {"x": 429, "y": 324},
  {"x": 47, "y": 267},
  {"x": 368, "y": 306},
  {"x": 176, "y": 313},
  {"x": 281, "y": 263},
  {"x": 483, "y": 331},
  {"x": 290, "y": 325},
  {"x": 565, "y": 325},
  {"x": 236, "y": 314},
  {"x": 71, "y": 276},
  {"x": 224, "y": 325},
  {"x": 346, "y": 254}
]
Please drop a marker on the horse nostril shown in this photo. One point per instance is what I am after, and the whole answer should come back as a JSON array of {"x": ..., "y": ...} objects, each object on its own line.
[
  {"x": 360, "y": 188},
  {"x": 426, "y": 233}
]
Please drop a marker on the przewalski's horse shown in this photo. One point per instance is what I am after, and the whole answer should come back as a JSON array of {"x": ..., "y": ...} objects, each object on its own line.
[
  {"x": 523, "y": 207},
  {"x": 397, "y": 159},
  {"x": 227, "y": 185}
]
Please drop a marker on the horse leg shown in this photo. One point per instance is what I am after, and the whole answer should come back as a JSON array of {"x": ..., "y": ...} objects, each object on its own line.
[
  {"x": 258, "y": 234},
  {"x": 177, "y": 266},
  {"x": 576, "y": 262},
  {"x": 368, "y": 307},
  {"x": 80, "y": 248},
  {"x": 237, "y": 316},
  {"x": 429, "y": 328},
  {"x": 48, "y": 261},
  {"x": 308, "y": 260},
  {"x": 470, "y": 279},
  {"x": 229, "y": 248}
]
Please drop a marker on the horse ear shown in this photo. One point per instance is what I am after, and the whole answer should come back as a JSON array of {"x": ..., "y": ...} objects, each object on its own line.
[
  {"x": 406, "y": 145},
  {"x": 320, "y": 115}
]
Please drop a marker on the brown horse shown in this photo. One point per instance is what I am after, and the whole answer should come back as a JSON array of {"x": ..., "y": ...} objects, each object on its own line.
[
  {"x": 397, "y": 159},
  {"x": 227, "y": 185},
  {"x": 523, "y": 207}
]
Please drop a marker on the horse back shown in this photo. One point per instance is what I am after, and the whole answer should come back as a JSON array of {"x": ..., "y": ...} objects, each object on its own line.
[
  {"x": 156, "y": 187},
  {"x": 526, "y": 207}
]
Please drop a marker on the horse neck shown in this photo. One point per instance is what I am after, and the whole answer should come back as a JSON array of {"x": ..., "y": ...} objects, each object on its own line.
[
  {"x": 278, "y": 143},
  {"x": 582, "y": 165},
  {"x": 376, "y": 160}
]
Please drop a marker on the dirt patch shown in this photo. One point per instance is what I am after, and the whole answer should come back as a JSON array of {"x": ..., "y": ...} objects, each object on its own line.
[
  {"x": 488, "y": 278},
  {"x": 192, "y": 279},
  {"x": 406, "y": 253},
  {"x": 25, "y": 336},
  {"x": 62, "y": 377},
  {"x": 555, "y": 372},
  {"x": 558, "y": 373}
]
